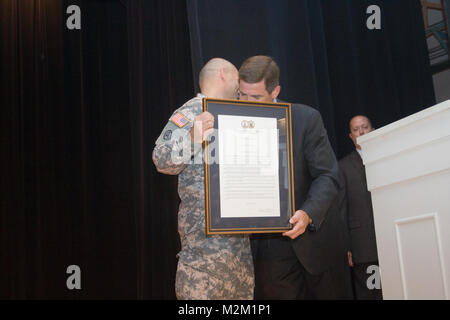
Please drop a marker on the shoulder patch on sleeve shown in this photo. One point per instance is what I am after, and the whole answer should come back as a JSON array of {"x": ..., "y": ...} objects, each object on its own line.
[
  {"x": 167, "y": 135},
  {"x": 179, "y": 119}
]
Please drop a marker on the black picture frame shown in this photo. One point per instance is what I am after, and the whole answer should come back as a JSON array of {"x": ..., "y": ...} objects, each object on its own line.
[{"x": 215, "y": 224}]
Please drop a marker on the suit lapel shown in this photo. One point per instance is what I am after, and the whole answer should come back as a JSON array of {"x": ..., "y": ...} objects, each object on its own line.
[{"x": 358, "y": 164}]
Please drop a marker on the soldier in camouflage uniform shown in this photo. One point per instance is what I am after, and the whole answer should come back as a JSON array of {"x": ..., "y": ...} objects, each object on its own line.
[{"x": 209, "y": 267}]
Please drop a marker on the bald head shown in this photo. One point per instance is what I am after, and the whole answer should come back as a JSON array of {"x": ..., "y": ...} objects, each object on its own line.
[
  {"x": 219, "y": 79},
  {"x": 359, "y": 126}
]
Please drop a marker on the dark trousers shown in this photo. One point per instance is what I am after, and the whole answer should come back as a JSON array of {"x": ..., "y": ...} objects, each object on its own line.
[
  {"x": 360, "y": 288},
  {"x": 280, "y": 275}
]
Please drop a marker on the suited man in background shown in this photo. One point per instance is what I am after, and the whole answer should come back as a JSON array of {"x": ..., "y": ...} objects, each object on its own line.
[
  {"x": 306, "y": 262},
  {"x": 356, "y": 208}
]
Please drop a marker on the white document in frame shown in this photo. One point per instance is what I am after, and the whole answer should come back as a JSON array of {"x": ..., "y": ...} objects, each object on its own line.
[{"x": 248, "y": 158}]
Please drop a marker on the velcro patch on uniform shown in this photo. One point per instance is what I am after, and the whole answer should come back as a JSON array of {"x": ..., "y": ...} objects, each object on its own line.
[
  {"x": 179, "y": 120},
  {"x": 167, "y": 135}
]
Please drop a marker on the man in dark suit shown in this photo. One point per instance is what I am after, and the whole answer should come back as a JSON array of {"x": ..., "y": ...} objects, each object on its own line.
[
  {"x": 302, "y": 262},
  {"x": 357, "y": 208}
]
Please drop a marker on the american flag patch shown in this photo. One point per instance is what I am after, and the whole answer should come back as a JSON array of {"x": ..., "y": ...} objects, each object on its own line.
[{"x": 179, "y": 120}]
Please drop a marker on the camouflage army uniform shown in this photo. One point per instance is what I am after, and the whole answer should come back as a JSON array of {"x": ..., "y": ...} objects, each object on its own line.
[{"x": 209, "y": 267}]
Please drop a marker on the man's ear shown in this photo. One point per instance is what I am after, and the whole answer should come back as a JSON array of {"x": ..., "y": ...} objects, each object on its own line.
[{"x": 275, "y": 92}]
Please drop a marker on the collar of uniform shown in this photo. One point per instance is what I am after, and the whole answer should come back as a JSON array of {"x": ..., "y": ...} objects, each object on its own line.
[{"x": 201, "y": 95}]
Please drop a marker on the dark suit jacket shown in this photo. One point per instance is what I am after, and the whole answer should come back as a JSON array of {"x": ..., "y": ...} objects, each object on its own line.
[
  {"x": 316, "y": 186},
  {"x": 357, "y": 207}
]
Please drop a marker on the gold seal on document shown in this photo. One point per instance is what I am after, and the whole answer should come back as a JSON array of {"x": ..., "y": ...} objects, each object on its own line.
[{"x": 247, "y": 124}]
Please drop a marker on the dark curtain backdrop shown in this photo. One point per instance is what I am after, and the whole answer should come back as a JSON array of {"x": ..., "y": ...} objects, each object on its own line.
[
  {"x": 80, "y": 112},
  {"x": 327, "y": 56}
]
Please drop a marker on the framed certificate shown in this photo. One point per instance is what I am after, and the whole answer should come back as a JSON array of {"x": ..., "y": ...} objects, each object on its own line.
[{"x": 249, "y": 184}]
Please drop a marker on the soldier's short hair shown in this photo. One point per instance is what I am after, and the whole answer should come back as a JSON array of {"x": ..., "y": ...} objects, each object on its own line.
[
  {"x": 257, "y": 68},
  {"x": 211, "y": 68}
]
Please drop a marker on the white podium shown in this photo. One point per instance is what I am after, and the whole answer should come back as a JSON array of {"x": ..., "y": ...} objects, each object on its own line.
[{"x": 408, "y": 174}]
